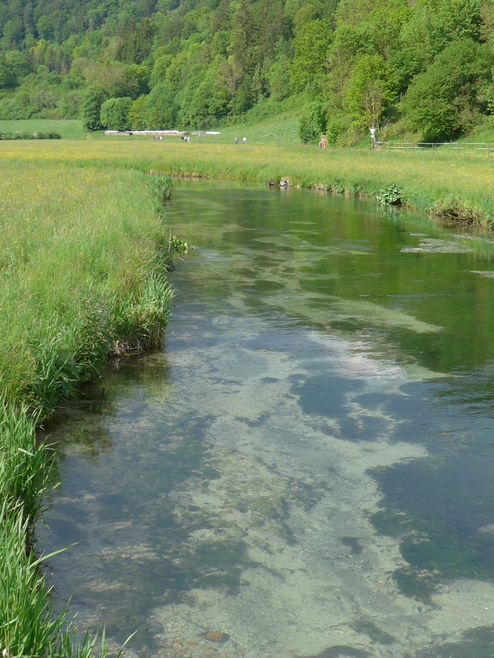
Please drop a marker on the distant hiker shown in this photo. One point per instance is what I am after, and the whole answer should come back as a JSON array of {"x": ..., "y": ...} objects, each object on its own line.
[
  {"x": 244, "y": 140},
  {"x": 373, "y": 137},
  {"x": 323, "y": 142},
  {"x": 236, "y": 140}
]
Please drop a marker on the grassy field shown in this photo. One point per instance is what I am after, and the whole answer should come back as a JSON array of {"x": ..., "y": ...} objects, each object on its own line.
[
  {"x": 454, "y": 184},
  {"x": 83, "y": 276},
  {"x": 67, "y": 129},
  {"x": 261, "y": 127}
]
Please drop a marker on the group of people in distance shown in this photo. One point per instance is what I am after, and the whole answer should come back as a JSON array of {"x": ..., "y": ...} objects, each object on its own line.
[{"x": 160, "y": 138}]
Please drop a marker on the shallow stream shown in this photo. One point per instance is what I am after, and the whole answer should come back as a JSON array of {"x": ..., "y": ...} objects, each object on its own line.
[{"x": 307, "y": 468}]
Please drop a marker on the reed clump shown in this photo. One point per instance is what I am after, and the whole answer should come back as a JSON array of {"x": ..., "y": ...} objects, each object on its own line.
[{"x": 83, "y": 263}]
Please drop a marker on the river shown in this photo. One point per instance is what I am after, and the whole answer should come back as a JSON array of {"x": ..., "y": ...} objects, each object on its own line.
[{"x": 307, "y": 468}]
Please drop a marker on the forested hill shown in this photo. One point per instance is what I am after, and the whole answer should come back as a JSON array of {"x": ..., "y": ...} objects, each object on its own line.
[{"x": 422, "y": 66}]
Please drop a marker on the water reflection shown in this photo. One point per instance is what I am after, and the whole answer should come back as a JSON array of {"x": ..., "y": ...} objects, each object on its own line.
[{"x": 307, "y": 469}]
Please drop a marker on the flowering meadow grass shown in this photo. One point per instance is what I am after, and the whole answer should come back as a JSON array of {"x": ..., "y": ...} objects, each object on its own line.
[{"x": 454, "y": 184}]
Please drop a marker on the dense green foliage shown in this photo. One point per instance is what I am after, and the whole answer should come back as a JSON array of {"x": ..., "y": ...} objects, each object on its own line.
[
  {"x": 114, "y": 113},
  {"x": 403, "y": 65}
]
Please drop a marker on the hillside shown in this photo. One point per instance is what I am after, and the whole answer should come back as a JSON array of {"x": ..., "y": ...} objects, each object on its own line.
[{"x": 416, "y": 67}]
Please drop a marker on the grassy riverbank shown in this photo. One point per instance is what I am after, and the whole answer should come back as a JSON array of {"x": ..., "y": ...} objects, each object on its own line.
[
  {"x": 441, "y": 183},
  {"x": 83, "y": 276}
]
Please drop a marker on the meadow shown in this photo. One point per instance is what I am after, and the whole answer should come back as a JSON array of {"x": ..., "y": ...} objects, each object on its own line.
[
  {"x": 83, "y": 258},
  {"x": 452, "y": 184}
]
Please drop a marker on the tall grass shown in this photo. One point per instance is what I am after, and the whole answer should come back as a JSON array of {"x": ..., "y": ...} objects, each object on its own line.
[
  {"x": 27, "y": 627},
  {"x": 83, "y": 275}
]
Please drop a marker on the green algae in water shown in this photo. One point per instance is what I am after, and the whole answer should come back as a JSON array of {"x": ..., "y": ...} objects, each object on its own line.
[{"x": 374, "y": 632}]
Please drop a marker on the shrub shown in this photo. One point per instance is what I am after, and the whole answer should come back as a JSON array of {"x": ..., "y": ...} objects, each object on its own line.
[
  {"x": 27, "y": 135},
  {"x": 313, "y": 123}
]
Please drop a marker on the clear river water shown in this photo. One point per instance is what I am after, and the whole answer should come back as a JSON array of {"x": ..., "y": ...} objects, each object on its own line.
[{"x": 307, "y": 468}]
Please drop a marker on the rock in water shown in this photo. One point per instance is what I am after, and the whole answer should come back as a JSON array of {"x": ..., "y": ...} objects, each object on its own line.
[{"x": 217, "y": 636}]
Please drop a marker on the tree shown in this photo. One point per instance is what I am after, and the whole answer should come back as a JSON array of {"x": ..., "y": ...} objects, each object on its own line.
[
  {"x": 313, "y": 123},
  {"x": 137, "y": 114},
  {"x": 443, "y": 102},
  {"x": 18, "y": 62},
  {"x": 244, "y": 38},
  {"x": 430, "y": 28},
  {"x": 210, "y": 99},
  {"x": 370, "y": 91},
  {"x": 117, "y": 79},
  {"x": 91, "y": 108},
  {"x": 115, "y": 113},
  {"x": 13, "y": 32},
  {"x": 7, "y": 76},
  {"x": 161, "y": 108},
  {"x": 279, "y": 79},
  {"x": 136, "y": 41},
  {"x": 311, "y": 52}
]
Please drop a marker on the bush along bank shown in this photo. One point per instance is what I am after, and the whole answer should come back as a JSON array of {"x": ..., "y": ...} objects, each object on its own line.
[
  {"x": 29, "y": 135},
  {"x": 95, "y": 286}
]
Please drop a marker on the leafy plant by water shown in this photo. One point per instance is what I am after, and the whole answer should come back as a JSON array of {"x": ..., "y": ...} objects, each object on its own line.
[
  {"x": 391, "y": 195},
  {"x": 23, "y": 460},
  {"x": 27, "y": 626},
  {"x": 178, "y": 245}
]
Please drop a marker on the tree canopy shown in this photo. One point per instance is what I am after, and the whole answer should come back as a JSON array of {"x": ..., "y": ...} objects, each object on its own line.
[{"x": 424, "y": 66}]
